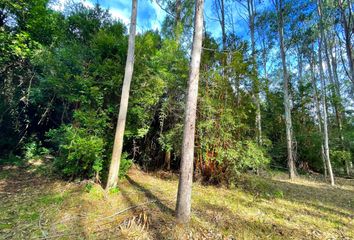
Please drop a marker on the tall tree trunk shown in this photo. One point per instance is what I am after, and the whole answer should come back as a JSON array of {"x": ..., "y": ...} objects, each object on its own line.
[
  {"x": 168, "y": 160},
  {"x": 318, "y": 113},
  {"x": 347, "y": 38},
  {"x": 288, "y": 122},
  {"x": 220, "y": 9},
  {"x": 323, "y": 89},
  {"x": 325, "y": 120},
  {"x": 251, "y": 18},
  {"x": 123, "y": 107},
  {"x": 335, "y": 97},
  {"x": 223, "y": 28},
  {"x": 183, "y": 206},
  {"x": 340, "y": 116}
]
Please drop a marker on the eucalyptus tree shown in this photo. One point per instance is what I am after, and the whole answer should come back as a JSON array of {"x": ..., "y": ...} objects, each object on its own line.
[
  {"x": 279, "y": 6},
  {"x": 347, "y": 20},
  {"x": 173, "y": 66},
  {"x": 123, "y": 107},
  {"x": 183, "y": 206},
  {"x": 318, "y": 109},
  {"x": 251, "y": 8},
  {"x": 323, "y": 89}
]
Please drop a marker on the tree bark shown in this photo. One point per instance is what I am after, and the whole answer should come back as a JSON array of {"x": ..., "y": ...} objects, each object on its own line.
[
  {"x": 335, "y": 95},
  {"x": 183, "y": 206},
  {"x": 340, "y": 116},
  {"x": 220, "y": 6},
  {"x": 118, "y": 139},
  {"x": 323, "y": 89},
  {"x": 347, "y": 38},
  {"x": 251, "y": 18},
  {"x": 318, "y": 113},
  {"x": 287, "y": 107},
  {"x": 168, "y": 160}
]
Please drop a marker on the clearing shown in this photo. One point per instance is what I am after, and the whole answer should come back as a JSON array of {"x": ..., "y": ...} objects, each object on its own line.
[{"x": 34, "y": 206}]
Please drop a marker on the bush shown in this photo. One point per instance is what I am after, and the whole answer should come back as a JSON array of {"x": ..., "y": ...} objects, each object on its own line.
[
  {"x": 34, "y": 149},
  {"x": 80, "y": 154},
  {"x": 125, "y": 165},
  {"x": 339, "y": 158},
  {"x": 245, "y": 155}
]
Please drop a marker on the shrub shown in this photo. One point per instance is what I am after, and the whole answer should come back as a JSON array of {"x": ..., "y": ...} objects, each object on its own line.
[
  {"x": 245, "y": 155},
  {"x": 31, "y": 150},
  {"x": 339, "y": 158},
  {"x": 80, "y": 154},
  {"x": 125, "y": 165}
]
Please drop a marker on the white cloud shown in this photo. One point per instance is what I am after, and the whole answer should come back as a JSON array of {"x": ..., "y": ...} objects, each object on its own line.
[
  {"x": 121, "y": 15},
  {"x": 87, "y": 3},
  {"x": 59, "y": 5}
]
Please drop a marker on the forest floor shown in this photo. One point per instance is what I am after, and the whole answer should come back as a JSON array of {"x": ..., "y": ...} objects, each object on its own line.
[{"x": 36, "y": 206}]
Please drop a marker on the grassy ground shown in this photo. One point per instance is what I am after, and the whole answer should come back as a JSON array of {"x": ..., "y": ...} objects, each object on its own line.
[{"x": 33, "y": 206}]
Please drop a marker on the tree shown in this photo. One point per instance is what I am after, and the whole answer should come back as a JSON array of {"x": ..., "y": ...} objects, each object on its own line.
[
  {"x": 250, "y": 6},
  {"x": 288, "y": 123},
  {"x": 346, "y": 22},
  {"x": 318, "y": 110},
  {"x": 183, "y": 207},
  {"x": 220, "y": 12},
  {"x": 323, "y": 89},
  {"x": 118, "y": 139}
]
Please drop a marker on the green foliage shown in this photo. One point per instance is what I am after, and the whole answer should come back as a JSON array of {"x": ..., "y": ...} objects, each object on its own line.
[
  {"x": 339, "y": 158},
  {"x": 62, "y": 71},
  {"x": 244, "y": 155},
  {"x": 88, "y": 187},
  {"x": 261, "y": 187},
  {"x": 31, "y": 150},
  {"x": 125, "y": 165},
  {"x": 79, "y": 154},
  {"x": 114, "y": 190}
]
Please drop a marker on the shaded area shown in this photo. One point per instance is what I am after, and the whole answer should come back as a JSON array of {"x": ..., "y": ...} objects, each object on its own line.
[
  {"x": 37, "y": 206},
  {"x": 150, "y": 195}
]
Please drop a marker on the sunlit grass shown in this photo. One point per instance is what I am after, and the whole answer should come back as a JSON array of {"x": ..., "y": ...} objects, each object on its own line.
[{"x": 267, "y": 207}]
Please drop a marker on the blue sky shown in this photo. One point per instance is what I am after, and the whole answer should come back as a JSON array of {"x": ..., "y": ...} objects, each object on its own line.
[{"x": 151, "y": 16}]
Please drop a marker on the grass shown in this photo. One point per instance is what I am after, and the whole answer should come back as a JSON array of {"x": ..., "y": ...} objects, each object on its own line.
[{"x": 257, "y": 207}]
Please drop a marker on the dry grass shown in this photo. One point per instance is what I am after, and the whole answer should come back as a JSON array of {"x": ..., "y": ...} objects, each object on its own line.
[{"x": 269, "y": 207}]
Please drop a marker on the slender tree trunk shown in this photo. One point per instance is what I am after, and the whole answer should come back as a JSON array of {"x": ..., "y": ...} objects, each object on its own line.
[
  {"x": 251, "y": 18},
  {"x": 335, "y": 97},
  {"x": 325, "y": 120},
  {"x": 318, "y": 113},
  {"x": 347, "y": 38},
  {"x": 288, "y": 122},
  {"x": 183, "y": 206},
  {"x": 340, "y": 116},
  {"x": 220, "y": 8},
  {"x": 323, "y": 89},
  {"x": 168, "y": 160},
  {"x": 118, "y": 139},
  {"x": 223, "y": 24}
]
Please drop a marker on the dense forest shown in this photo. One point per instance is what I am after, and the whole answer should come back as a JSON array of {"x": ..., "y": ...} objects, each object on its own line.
[{"x": 94, "y": 98}]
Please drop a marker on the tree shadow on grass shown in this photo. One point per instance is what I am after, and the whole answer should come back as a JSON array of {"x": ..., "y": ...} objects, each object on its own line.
[
  {"x": 331, "y": 199},
  {"x": 159, "y": 218},
  {"x": 163, "y": 208},
  {"x": 336, "y": 200},
  {"x": 222, "y": 219}
]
